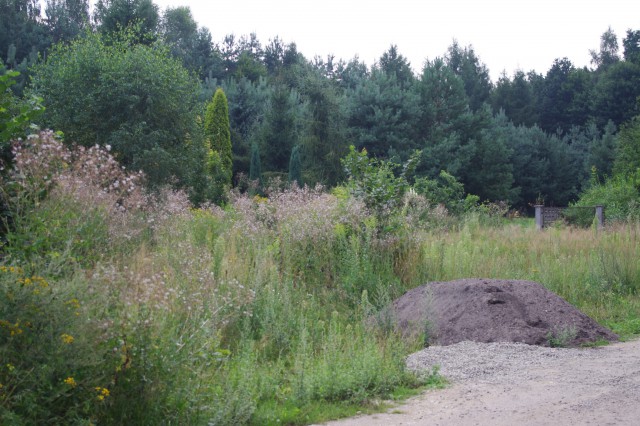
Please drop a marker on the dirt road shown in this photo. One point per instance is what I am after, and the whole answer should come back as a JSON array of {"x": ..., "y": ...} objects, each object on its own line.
[{"x": 603, "y": 389}]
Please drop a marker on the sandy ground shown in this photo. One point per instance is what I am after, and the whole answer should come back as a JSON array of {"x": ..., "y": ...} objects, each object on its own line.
[{"x": 599, "y": 390}]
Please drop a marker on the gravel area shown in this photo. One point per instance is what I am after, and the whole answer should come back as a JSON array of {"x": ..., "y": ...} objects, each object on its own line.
[
  {"x": 502, "y": 384},
  {"x": 491, "y": 362}
]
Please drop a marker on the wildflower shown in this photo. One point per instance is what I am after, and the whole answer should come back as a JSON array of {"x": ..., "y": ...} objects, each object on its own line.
[
  {"x": 66, "y": 338},
  {"x": 70, "y": 381},
  {"x": 102, "y": 393}
]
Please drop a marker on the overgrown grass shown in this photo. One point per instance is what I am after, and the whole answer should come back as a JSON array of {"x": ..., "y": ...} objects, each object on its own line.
[{"x": 261, "y": 313}]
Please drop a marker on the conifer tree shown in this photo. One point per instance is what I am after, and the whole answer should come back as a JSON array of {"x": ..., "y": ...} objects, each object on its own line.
[
  {"x": 218, "y": 132},
  {"x": 295, "y": 166},
  {"x": 255, "y": 172}
]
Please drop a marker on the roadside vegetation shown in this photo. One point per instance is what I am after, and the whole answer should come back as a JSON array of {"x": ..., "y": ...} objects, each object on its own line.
[{"x": 124, "y": 306}]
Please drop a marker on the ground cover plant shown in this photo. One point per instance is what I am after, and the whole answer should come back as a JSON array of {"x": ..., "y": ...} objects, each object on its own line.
[{"x": 120, "y": 306}]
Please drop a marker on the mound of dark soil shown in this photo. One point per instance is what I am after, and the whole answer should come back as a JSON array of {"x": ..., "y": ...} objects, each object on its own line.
[{"x": 484, "y": 310}]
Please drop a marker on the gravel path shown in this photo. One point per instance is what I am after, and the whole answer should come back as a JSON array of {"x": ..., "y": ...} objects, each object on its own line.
[{"x": 511, "y": 383}]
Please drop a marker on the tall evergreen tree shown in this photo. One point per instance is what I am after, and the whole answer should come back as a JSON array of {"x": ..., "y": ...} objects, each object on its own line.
[
  {"x": 280, "y": 130},
  {"x": 295, "y": 167},
  {"x": 217, "y": 130},
  {"x": 474, "y": 74},
  {"x": 255, "y": 170}
]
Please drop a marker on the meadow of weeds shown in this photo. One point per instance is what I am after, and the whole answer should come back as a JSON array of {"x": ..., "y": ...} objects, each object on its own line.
[{"x": 119, "y": 306}]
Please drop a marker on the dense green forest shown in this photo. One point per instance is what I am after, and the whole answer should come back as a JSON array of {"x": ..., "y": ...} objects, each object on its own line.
[{"x": 139, "y": 79}]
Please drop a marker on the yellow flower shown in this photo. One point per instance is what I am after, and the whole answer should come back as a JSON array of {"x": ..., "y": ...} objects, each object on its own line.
[
  {"x": 102, "y": 393},
  {"x": 66, "y": 338},
  {"x": 70, "y": 381}
]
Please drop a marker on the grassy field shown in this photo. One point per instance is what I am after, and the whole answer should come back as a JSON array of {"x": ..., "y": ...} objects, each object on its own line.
[{"x": 259, "y": 313}]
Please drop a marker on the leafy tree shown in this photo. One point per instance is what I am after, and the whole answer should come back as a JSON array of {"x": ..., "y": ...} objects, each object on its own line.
[
  {"x": 565, "y": 97},
  {"x": 295, "y": 166},
  {"x": 218, "y": 133},
  {"x": 180, "y": 31},
  {"x": 631, "y": 45},
  {"x": 374, "y": 181},
  {"x": 602, "y": 151},
  {"x": 112, "y": 16},
  {"x": 133, "y": 97},
  {"x": 66, "y": 19},
  {"x": 22, "y": 35},
  {"x": 16, "y": 115},
  {"x": 445, "y": 190},
  {"x": 627, "y": 160},
  {"x": 616, "y": 93},
  {"x": 608, "y": 54}
]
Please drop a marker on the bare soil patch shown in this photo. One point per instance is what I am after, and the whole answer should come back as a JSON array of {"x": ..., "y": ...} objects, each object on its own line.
[{"x": 490, "y": 310}]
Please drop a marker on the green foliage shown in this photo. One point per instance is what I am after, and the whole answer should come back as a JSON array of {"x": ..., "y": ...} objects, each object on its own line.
[
  {"x": 216, "y": 126},
  {"x": 255, "y": 170},
  {"x": 295, "y": 167},
  {"x": 602, "y": 151},
  {"x": 218, "y": 134},
  {"x": 256, "y": 314},
  {"x": 445, "y": 190},
  {"x": 129, "y": 96},
  {"x": 52, "y": 369},
  {"x": 627, "y": 160},
  {"x": 374, "y": 181},
  {"x": 560, "y": 338},
  {"x": 620, "y": 195},
  {"x": 16, "y": 115},
  {"x": 280, "y": 132},
  {"x": 141, "y": 16}
]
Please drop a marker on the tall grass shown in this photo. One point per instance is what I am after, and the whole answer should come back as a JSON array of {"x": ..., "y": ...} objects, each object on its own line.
[{"x": 135, "y": 308}]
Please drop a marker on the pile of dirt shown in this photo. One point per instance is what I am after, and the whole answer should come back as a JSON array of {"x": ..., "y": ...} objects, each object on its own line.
[{"x": 488, "y": 310}]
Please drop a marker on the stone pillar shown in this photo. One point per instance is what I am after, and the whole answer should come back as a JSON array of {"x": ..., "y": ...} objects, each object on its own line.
[
  {"x": 539, "y": 217},
  {"x": 600, "y": 216}
]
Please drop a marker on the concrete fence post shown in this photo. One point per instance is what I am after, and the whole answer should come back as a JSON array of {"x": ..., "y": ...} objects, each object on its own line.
[
  {"x": 539, "y": 216},
  {"x": 600, "y": 216}
]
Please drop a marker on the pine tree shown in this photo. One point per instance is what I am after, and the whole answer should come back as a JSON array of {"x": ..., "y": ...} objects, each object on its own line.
[
  {"x": 218, "y": 132},
  {"x": 255, "y": 172},
  {"x": 295, "y": 166}
]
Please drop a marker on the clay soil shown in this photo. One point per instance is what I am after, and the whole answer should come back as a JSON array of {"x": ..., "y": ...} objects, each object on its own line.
[{"x": 489, "y": 310}]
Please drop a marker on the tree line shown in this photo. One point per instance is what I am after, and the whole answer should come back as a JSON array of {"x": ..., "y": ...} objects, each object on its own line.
[{"x": 139, "y": 80}]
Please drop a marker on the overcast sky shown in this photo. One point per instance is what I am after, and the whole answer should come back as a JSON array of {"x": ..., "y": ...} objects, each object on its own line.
[{"x": 505, "y": 34}]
